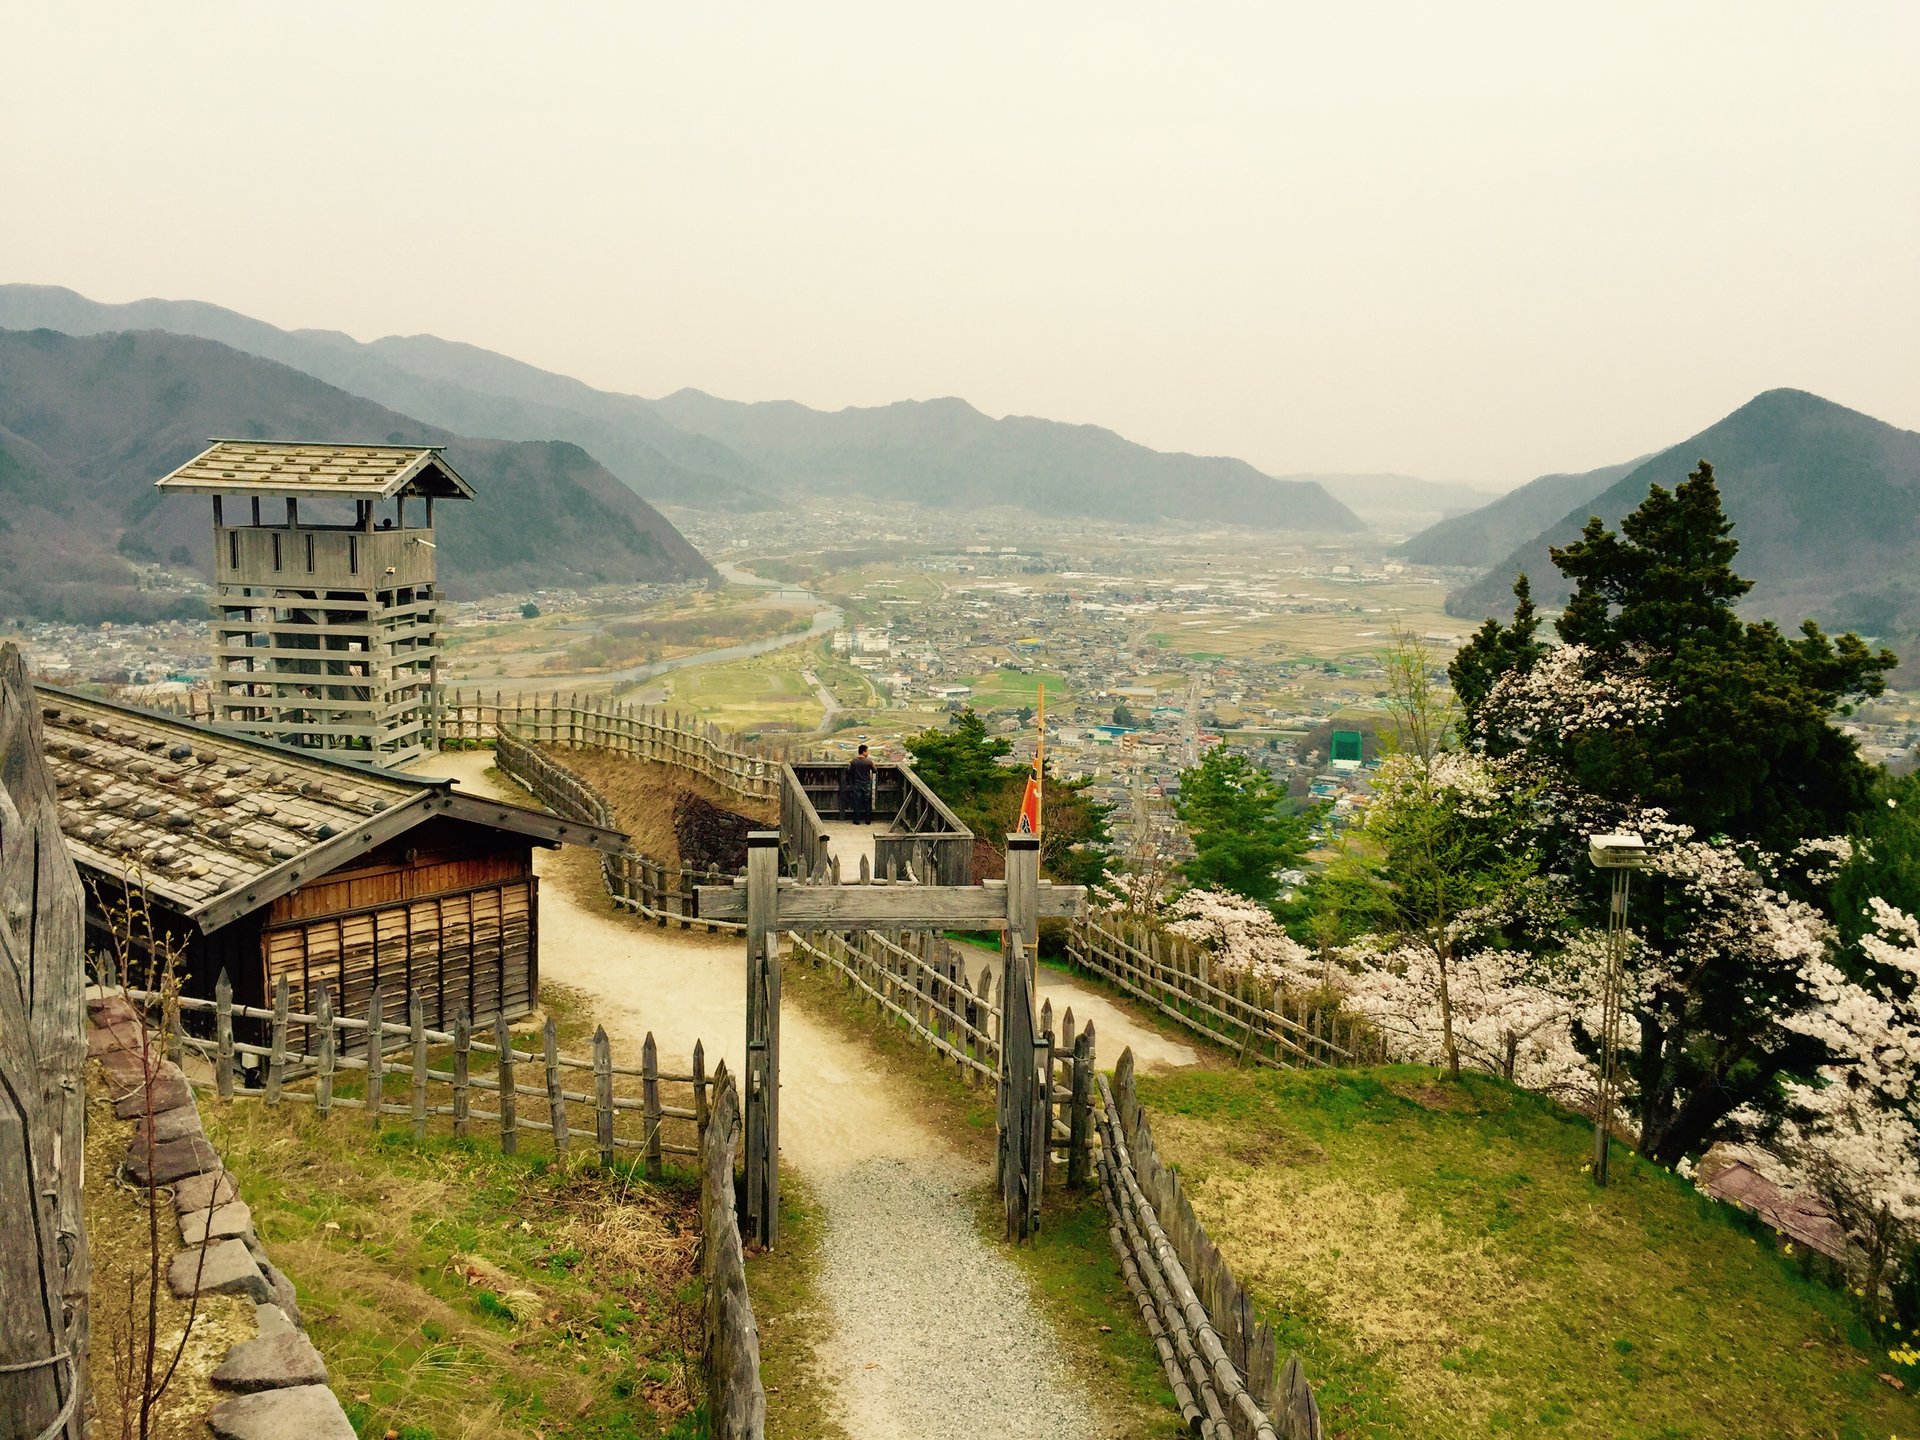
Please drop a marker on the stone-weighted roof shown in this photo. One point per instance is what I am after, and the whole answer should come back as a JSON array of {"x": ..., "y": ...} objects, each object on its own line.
[
  {"x": 214, "y": 823},
  {"x": 281, "y": 467}
]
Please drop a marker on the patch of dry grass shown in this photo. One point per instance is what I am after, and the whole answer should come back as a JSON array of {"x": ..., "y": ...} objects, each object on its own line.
[
  {"x": 460, "y": 1293},
  {"x": 118, "y": 1243},
  {"x": 642, "y": 794}
]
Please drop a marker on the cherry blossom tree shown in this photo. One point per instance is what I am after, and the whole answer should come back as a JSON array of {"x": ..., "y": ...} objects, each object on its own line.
[
  {"x": 1852, "y": 1135},
  {"x": 1243, "y": 938}
]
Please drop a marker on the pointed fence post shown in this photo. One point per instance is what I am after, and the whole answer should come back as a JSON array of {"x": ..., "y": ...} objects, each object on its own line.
[
  {"x": 376, "y": 1054},
  {"x": 556, "y": 1096},
  {"x": 462, "y": 1058},
  {"x": 1080, "y": 1119},
  {"x": 323, "y": 1017},
  {"x": 650, "y": 1103},
  {"x": 277, "y": 1047},
  {"x": 762, "y": 1089},
  {"x": 417, "y": 1024},
  {"x": 223, "y": 1036},
  {"x": 700, "y": 1112},
  {"x": 603, "y": 1095},
  {"x": 509, "y": 1118}
]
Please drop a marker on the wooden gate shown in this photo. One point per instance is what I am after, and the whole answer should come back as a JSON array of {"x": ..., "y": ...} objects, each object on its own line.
[
  {"x": 770, "y": 904},
  {"x": 1026, "y": 1117}
]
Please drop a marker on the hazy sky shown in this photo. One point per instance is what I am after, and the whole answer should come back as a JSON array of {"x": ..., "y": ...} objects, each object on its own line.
[{"x": 1457, "y": 240}]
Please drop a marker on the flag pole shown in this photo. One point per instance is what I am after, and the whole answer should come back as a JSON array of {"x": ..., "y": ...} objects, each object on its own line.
[{"x": 1040, "y": 763}]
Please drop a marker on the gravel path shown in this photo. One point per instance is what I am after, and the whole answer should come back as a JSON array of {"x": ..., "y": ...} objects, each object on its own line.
[{"x": 933, "y": 1331}]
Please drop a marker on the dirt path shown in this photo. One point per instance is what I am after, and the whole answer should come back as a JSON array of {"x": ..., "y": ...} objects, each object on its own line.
[{"x": 933, "y": 1332}]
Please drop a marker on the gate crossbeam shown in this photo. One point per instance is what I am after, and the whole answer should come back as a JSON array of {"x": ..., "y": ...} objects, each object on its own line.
[{"x": 770, "y": 904}]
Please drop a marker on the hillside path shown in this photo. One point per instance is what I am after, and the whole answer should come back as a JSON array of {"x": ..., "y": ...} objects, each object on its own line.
[{"x": 932, "y": 1331}]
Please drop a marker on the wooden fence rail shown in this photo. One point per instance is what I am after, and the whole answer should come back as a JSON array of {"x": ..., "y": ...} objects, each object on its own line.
[
  {"x": 659, "y": 891},
  {"x": 1264, "y": 1024},
  {"x": 655, "y": 733},
  {"x": 616, "y": 1122},
  {"x": 1219, "y": 1362},
  {"x": 920, "y": 980}
]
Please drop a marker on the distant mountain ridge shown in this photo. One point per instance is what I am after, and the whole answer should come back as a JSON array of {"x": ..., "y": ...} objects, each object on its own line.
[
  {"x": 1485, "y": 536},
  {"x": 1397, "y": 503},
  {"x": 677, "y": 451},
  {"x": 944, "y": 453},
  {"x": 458, "y": 387},
  {"x": 88, "y": 423},
  {"x": 1825, "y": 504}
]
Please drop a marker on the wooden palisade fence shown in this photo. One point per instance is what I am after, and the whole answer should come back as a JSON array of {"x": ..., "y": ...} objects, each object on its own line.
[
  {"x": 45, "y": 1272},
  {"x": 1257, "y": 1022},
  {"x": 1219, "y": 1362},
  {"x": 661, "y": 892},
  {"x": 920, "y": 980},
  {"x": 736, "y": 1403},
  {"x": 400, "y": 1081},
  {"x": 1264, "y": 1024},
  {"x": 641, "y": 732}
]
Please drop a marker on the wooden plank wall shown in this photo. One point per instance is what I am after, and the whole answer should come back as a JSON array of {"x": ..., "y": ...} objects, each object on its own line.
[{"x": 469, "y": 950}]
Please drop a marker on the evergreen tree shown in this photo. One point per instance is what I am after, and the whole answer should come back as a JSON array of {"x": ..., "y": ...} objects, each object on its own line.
[
  {"x": 961, "y": 764},
  {"x": 1496, "y": 649},
  {"x": 1739, "y": 749},
  {"x": 1244, "y": 831}
]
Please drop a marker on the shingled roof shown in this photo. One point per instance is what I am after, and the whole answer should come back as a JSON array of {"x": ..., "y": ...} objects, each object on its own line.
[
  {"x": 283, "y": 467},
  {"x": 216, "y": 823}
]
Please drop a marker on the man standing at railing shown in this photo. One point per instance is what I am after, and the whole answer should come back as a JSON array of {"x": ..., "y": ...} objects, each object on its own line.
[{"x": 860, "y": 783}]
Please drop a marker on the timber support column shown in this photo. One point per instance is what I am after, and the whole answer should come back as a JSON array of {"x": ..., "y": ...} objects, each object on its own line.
[
  {"x": 45, "y": 1274},
  {"x": 1023, "y": 900},
  {"x": 763, "y": 1037}
]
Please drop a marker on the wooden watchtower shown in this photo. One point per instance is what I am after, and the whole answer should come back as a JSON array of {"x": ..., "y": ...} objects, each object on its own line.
[{"x": 326, "y": 625}]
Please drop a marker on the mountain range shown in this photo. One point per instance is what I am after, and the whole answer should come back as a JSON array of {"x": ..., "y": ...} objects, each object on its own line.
[
  {"x": 1397, "y": 504},
  {"x": 88, "y": 423},
  {"x": 944, "y": 453},
  {"x": 1825, "y": 504},
  {"x": 1484, "y": 537},
  {"x": 694, "y": 450}
]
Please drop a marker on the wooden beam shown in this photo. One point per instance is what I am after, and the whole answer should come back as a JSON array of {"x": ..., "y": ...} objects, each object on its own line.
[
  {"x": 890, "y": 907},
  {"x": 44, "y": 1266}
]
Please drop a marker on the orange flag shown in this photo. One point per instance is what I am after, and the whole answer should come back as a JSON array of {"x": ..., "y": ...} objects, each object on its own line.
[{"x": 1031, "y": 800}]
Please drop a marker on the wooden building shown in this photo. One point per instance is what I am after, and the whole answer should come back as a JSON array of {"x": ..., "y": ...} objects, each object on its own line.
[
  {"x": 326, "y": 627},
  {"x": 269, "y": 861}
]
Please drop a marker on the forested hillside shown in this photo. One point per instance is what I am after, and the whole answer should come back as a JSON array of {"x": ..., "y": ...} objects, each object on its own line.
[
  {"x": 946, "y": 453},
  {"x": 1483, "y": 537},
  {"x": 88, "y": 424},
  {"x": 460, "y": 387},
  {"x": 1825, "y": 504}
]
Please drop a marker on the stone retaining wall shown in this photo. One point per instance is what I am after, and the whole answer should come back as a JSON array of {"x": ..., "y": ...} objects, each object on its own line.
[{"x": 278, "y": 1379}]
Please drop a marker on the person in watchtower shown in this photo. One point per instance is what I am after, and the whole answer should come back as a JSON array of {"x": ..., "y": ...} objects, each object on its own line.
[{"x": 860, "y": 782}]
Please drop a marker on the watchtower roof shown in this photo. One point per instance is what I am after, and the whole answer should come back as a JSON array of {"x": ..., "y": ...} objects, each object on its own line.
[{"x": 293, "y": 467}]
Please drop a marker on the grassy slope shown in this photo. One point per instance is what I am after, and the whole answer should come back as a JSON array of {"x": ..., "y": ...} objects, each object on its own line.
[
  {"x": 378, "y": 1235},
  {"x": 1445, "y": 1268}
]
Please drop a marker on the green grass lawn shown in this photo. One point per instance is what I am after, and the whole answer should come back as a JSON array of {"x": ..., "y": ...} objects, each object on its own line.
[
  {"x": 1010, "y": 687},
  {"x": 1445, "y": 1268}
]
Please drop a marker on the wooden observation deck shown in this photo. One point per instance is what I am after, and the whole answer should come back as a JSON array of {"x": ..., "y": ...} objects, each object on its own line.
[{"x": 912, "y": 827}]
